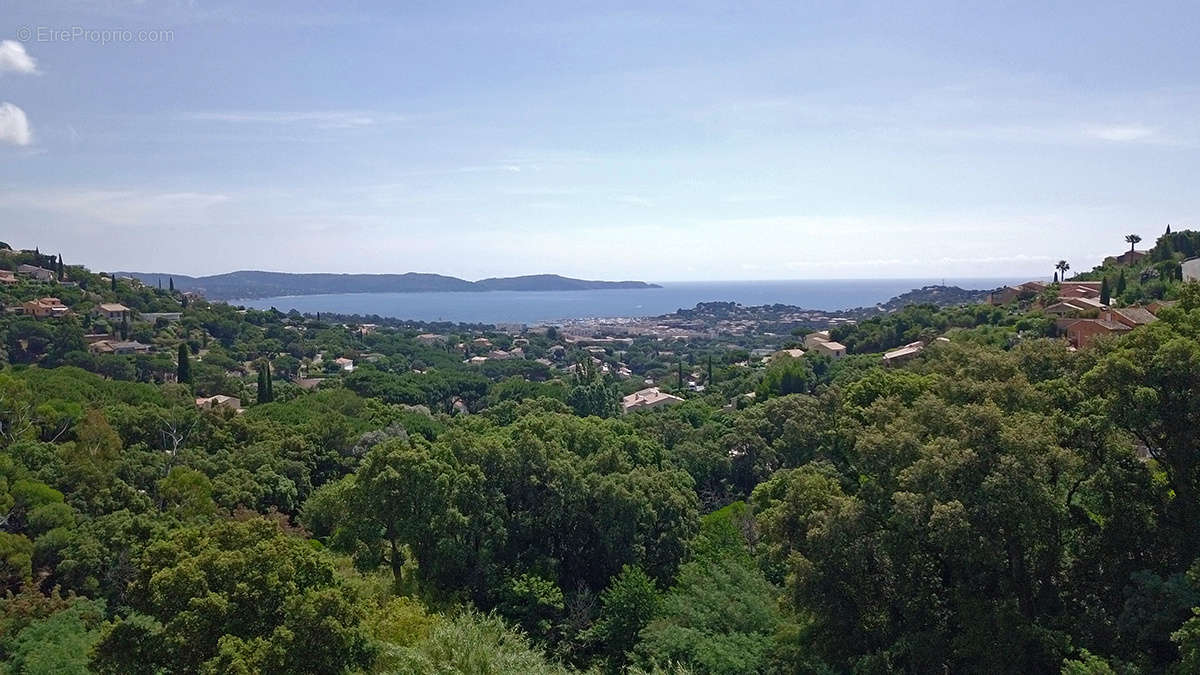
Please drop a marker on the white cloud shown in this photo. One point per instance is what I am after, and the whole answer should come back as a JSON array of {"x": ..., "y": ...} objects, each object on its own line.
[
  {"x": 1120, "y": 133},
  {"x": 14, "y": 126},
  {"x": 14, "y": 59}
]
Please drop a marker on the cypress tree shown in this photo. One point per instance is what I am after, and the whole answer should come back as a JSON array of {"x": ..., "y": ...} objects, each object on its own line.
[
  {"x": 60, "y": 267},
  {"x": 124, "y": 328},
  {"x": 1121, "y": 284},
  {"x": 1104, "y": 293},
  {"x": 114, "y": 282},
  {"x": 681, "y": 373},
  {"x": 1056, "y": 277},
  {"x": 266, "y": 392},
  {"x": 710, "y": 370},
  {"x": 172, "y": 282},
  {"x": 183, "y": 370}
]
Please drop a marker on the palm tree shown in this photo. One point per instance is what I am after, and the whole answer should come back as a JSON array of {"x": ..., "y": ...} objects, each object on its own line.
[
  {"x": 1062, "y": 266},
  {"x": 1132, "y": 240}
]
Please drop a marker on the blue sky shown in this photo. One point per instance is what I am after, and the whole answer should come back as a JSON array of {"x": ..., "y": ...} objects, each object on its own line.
[{"x": 719, "y": 141}]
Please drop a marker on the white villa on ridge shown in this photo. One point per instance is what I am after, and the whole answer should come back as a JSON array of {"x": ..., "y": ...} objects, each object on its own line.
[{"x": 650, "y": 397}]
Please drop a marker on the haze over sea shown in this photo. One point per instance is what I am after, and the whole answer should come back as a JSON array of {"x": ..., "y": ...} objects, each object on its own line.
[{"x": 548, "y": 306}]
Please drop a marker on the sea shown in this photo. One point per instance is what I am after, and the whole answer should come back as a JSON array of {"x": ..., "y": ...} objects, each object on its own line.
[{"x": 535, "y": 307}]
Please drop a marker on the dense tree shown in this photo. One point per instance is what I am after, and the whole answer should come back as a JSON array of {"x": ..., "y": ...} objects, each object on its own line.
[
  {"x": 626, "y": 606},
  {"x": 236, "y": 596},
  {"x": 407, "y": 493}
]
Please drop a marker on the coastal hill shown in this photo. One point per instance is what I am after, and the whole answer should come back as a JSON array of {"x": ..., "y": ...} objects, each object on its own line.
[
  {"x": 942, "y": 296},
  {"x": 256, "y": 284}
]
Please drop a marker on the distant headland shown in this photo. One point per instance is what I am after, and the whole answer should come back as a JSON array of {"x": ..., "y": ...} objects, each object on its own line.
[{"x": 248, "y": 284}]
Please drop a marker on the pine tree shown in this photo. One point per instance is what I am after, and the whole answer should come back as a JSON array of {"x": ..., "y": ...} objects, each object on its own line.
[
  {"x": 1104, "y": 293},
  {"x": 183, "y": 370}
]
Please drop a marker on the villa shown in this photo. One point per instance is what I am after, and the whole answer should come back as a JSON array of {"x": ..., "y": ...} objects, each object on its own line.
[
  {"x": 113, "y": 311},
  {"x": 39, "y": 273},
  {"x": 834, "y": 350},
  {"x": 647, "y": 398},
  {"x": 44, "y": 307},
  {"x": 219, "y": 401}
]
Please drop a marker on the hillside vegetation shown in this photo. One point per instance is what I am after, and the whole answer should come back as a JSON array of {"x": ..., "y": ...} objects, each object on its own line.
[{"x": 395, "y": 497}]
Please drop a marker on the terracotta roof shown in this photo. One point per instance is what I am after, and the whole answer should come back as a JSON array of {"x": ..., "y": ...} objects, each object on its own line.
[{"x": 1138, "y": 315}]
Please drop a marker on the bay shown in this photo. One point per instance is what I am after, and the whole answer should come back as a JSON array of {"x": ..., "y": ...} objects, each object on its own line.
[{"x": 548, "y": 306}]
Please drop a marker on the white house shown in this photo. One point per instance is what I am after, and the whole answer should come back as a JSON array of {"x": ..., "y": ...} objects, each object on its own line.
[
  {"x": 113, "y": 311},
  {"x": 834, "y": 350},
  {"x": 811, "y": 340},
  {"x": 219, "y": 401},
  {"x": 1191, "y": 269},
  {"x": 651, "y": 397}
]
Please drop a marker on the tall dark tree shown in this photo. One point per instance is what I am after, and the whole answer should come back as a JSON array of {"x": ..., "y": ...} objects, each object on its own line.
[
  {"x": 172, "y": 284},
  {"x": 1062, "y": 266},
  {"x": 681, "y": 373},
  {"x": 266, "y": 393},
  {"x": 114, "y": 283},
  {"x": 1132, "y": 240},
  {"x": 1104, "y": 292},
  {"x": 183, "y": 369},
  {"x": 1121, "y": 283},
  {"x": 60, "y": 267},
  {"x": 710, "y": 370}
]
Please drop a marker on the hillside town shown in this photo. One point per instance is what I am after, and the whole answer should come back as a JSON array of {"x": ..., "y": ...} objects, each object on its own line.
[{"x": 655, "y": 361}]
